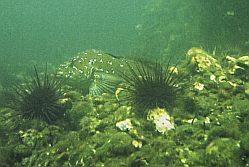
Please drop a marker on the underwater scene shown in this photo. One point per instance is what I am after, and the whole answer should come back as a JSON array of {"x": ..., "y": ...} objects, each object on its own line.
[{"x": 114, "y": 83}]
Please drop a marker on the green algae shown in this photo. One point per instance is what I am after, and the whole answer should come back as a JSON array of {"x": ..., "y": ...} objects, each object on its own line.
[{"x": 211, "y": 129}]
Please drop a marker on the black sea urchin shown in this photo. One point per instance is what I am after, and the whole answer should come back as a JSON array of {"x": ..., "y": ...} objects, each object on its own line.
[
  {"x": 39, "y": 99},
  {"x": 148, "y": 85}
]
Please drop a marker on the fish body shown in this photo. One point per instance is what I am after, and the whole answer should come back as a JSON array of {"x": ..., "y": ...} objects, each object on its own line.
[{"x": 94, "y": 72}]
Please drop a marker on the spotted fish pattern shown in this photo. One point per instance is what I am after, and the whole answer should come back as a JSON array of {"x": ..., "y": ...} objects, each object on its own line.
[{"x": 94, "y": 72}]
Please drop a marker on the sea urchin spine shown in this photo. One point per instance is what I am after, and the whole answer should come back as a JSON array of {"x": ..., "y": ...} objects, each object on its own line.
[
  {"x": 39, "y": 99},
  {"x": 148, "y": 85}
]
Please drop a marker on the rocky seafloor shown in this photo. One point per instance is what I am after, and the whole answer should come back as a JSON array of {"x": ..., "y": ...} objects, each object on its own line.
[{"x": 208, "y": 126}]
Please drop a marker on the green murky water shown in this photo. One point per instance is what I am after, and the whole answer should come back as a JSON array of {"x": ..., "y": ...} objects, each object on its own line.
[{"x": 124, "y": 83}]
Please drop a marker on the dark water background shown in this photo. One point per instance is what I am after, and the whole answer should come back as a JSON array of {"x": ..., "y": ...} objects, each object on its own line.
[{"x": 53, "y": 30}]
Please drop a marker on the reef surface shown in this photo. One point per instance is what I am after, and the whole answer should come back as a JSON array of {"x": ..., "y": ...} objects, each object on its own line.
[{"x": 208, "y": 126}]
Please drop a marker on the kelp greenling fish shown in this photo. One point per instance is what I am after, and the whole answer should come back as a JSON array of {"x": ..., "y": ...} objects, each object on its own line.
[{"x": 94, "y": 72}]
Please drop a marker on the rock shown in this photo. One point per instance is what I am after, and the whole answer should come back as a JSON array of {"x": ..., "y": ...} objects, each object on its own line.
[
  {"x": 239, "y": 66},
  {"x": 244, "y": 60},
  {"x": 203, "y": 62},
  {"x": 247, "y": 89},
  {"x": 161, "y": 119},
  {"x": 124, "y": 125},
  {"x": 223, "y": 152},
  {"x": 119, "y": 144}
]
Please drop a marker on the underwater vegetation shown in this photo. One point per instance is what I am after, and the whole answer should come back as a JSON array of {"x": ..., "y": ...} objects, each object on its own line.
[
  {"x": 148, "y": 86},
  {"x": 207, "y": 127},
  {"x": 171, "y": 27},
  {"x": 39, "y": 98},
  {"x": 6, "y": 157},
  {"x": 195, "y": 114}
]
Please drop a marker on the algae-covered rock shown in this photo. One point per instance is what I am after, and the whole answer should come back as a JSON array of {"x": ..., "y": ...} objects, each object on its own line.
[
  {"x": 246, "y": 88},
  {"x": 223, "y": 152},
  {"x": 119, "y": 144},
  {"x": 245, "y": 148},
  {"x": 68, "y": 151},
  {"x": 89, "y": 126},
  {"x": 223, "y": 132},
  {"x": 210, "y": 124},
  {"x": 123, "y": 112},
  {"x": 124, "y": 125},
  {"x": 73, "y": 95},
  {"x": 239, "y": 67},
  {"x": 35, "y": 138},
  {"x": 201, "y": 61},
  {"x": 6, "y": 156},
  {"x": 224, "y": 125},
  {"x": 80, "y": 108},
  {"x": 7, "y": 125},
  {"x": 161, "y": 119}
]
